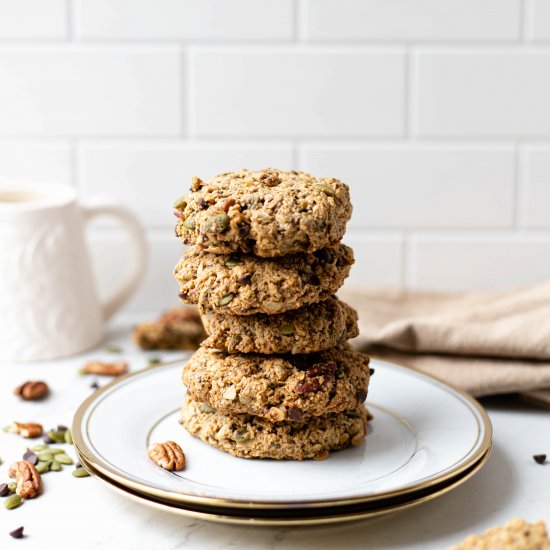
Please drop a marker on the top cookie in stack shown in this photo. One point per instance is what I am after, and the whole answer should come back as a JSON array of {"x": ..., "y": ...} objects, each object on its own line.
[{"x": 275, "y": 377}]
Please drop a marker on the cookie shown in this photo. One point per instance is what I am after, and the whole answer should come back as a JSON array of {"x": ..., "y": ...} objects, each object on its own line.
[
  {"x": 254, "y": 437},
  {"x": 309, "y": 329},
  {"x": 517, "y": 534},
  {"x": 179, "y": 328},
  {"x": 268, "y": 213},
  {"x": 243, "y": 285},
  {"x": 278, "y": 387}
]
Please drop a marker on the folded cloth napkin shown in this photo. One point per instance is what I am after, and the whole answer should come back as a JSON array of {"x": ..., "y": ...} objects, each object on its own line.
[{"x": 484, "y": 343}]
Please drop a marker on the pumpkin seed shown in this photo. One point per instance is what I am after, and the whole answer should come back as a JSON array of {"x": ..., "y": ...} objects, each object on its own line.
[
  {"x": 63, "y": 459},
  {"x": 286, "y": 330},
  {"x": 180, "y": 203},
  {"x": 80, "y": 472},
  {"x": 55, "y": 466},
  {"x": 231, "y": 262},
  {"x": 224, "y": 300},
  {"x": 217, "y": 223},
  {"x": 154, "y": 360},
  {"x": 57, "y": 436},
  {"x": 43, "y": 467},
  {"x": 240, "y": 436},
  {"x": 12, "y": 487},
  {"x": 325, "y": 188},
  {"x": 113, "y": 349},
  {"x": 205, "y": 407},
  {"x": 68, "y": 437},
  {"x": 55, "y": 450},
  {"x": 189, "y": 223},
  {"x": 45, "y": 457},
  {"x": 40, "y": 448},
  {"x": 13, "y": 501}
]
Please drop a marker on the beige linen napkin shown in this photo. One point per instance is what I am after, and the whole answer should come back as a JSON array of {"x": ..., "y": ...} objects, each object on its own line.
[{"x": 484, "y": 343}]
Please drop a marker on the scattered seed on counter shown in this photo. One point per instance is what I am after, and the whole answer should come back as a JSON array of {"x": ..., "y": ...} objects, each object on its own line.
[
  {"x": 13, "y": 501},
  {"x": 17, "y": 533}
]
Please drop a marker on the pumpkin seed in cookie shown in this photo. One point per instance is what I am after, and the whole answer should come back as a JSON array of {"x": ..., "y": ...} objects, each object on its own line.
[
  {"x": 224, "y": 300},
  {"x": 217, "y": 223}
]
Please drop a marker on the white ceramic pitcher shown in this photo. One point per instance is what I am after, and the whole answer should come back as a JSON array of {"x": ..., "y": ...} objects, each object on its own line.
[{"x": 49, "y": 305}]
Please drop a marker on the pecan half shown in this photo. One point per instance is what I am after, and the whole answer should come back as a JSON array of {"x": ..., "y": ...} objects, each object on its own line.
[
  {"x": 29, "y": 430},
  {"x": 29, "y": 482},
  {"x": 168, "y": 455},
  {"x": 107, "y": 369},
  {"x": 32, "y": 390}
]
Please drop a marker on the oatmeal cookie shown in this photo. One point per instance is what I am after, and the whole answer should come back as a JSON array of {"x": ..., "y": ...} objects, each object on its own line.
[
  {"x": 268, "y": 213},
  {"x": 254, "y": 437},
  {"x": 517, "y": 534},
  {"x": 309, "y": 329},
  {"x": 243, "y": 285},
  {"x": 278, "y": 387},
  {"x": 178, "y": 328}
]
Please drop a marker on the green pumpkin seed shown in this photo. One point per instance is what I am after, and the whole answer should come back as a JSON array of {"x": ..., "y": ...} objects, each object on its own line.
[
  {"x": 325, "y": 188},
  {"x": 45, "y": 457},
  {"x": 55, "y": 450},
  {"x": 55, "y": 466},
  {"x": 68, "y": 437},
  {"x": 57, "y": 435},
  {"x": 180, "y": 203},
  {"x": 40, "y": 448},
  {"x": 240, "y": 436},
  {"x": 13, "y": 501},
  {"x": 231, "y": 262},
  {"x": 113, "y": 349},
  {"x": 205, "y": 407},
  {"x": 154, "y": 361},
  {"x": 189, "y": 223},
  {"x": 43, "y": 467},
  {"x": 64, "y": 459},
  {"x": 287, "y": 330},
  {"x": 7, "y": 428},
  {"x": 80, "y": 472},
  {"x": 217, "y": 223},
  {"x": 12, "y": 486},
  {"x": 224, "y": 300}
]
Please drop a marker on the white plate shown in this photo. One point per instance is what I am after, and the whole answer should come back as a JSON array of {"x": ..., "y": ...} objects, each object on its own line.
[{"x": 423, "y": 433}]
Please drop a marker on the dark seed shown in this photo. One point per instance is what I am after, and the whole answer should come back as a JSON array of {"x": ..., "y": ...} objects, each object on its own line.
[
  {"x": 244, "y": 230},
  {"x": 245, "y": 279},
  {"x": 539, "y": 459},
  {"x": 17, "y": 533},
  {"x": 371, "y": 372},
  {"x": 31, "y": 457},
  {"x": 4, "y": 491},
  {"x": 62, "y": 428},
  {"x": 361, "y": 395},
  {"x": 94, "y": 385},
  {"x": 294, "y": 414},
  {"x": 47, "y": 439}
]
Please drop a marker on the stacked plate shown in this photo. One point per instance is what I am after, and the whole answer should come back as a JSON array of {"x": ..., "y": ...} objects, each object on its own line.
[{"x": 426, "y": 438}]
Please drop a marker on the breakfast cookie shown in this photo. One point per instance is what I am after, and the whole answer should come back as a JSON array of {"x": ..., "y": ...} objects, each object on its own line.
[
  {"x": 309, "y": 329},
  {"x": 243, "y": 285},
  {"x": 278, "y": 387},
  {"x": 517, "y": 534},
  {"x": 268, "y": 213},
  {"x": 254, "y": 437},
  {"x": 178, "y": 328}
]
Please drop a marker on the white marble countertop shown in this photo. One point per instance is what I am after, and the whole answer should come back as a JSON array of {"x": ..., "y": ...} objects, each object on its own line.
[{"x": 83, "y": 513}]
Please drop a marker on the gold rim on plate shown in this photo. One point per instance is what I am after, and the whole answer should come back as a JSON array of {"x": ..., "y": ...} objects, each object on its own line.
[
  {"x": 219, "y": 515},
  {"x": 104, "y": 469}
]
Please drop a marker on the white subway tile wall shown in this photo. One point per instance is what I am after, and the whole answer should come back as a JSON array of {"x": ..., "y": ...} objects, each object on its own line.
[{"x": 435, "y": 112}]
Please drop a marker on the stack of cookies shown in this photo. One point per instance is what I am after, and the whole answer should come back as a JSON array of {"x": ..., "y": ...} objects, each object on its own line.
[{"x": 275, "y": 378}]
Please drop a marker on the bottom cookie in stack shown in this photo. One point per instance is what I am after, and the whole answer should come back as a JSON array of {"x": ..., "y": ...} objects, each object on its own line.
[{"x": 249, "y": 436}]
